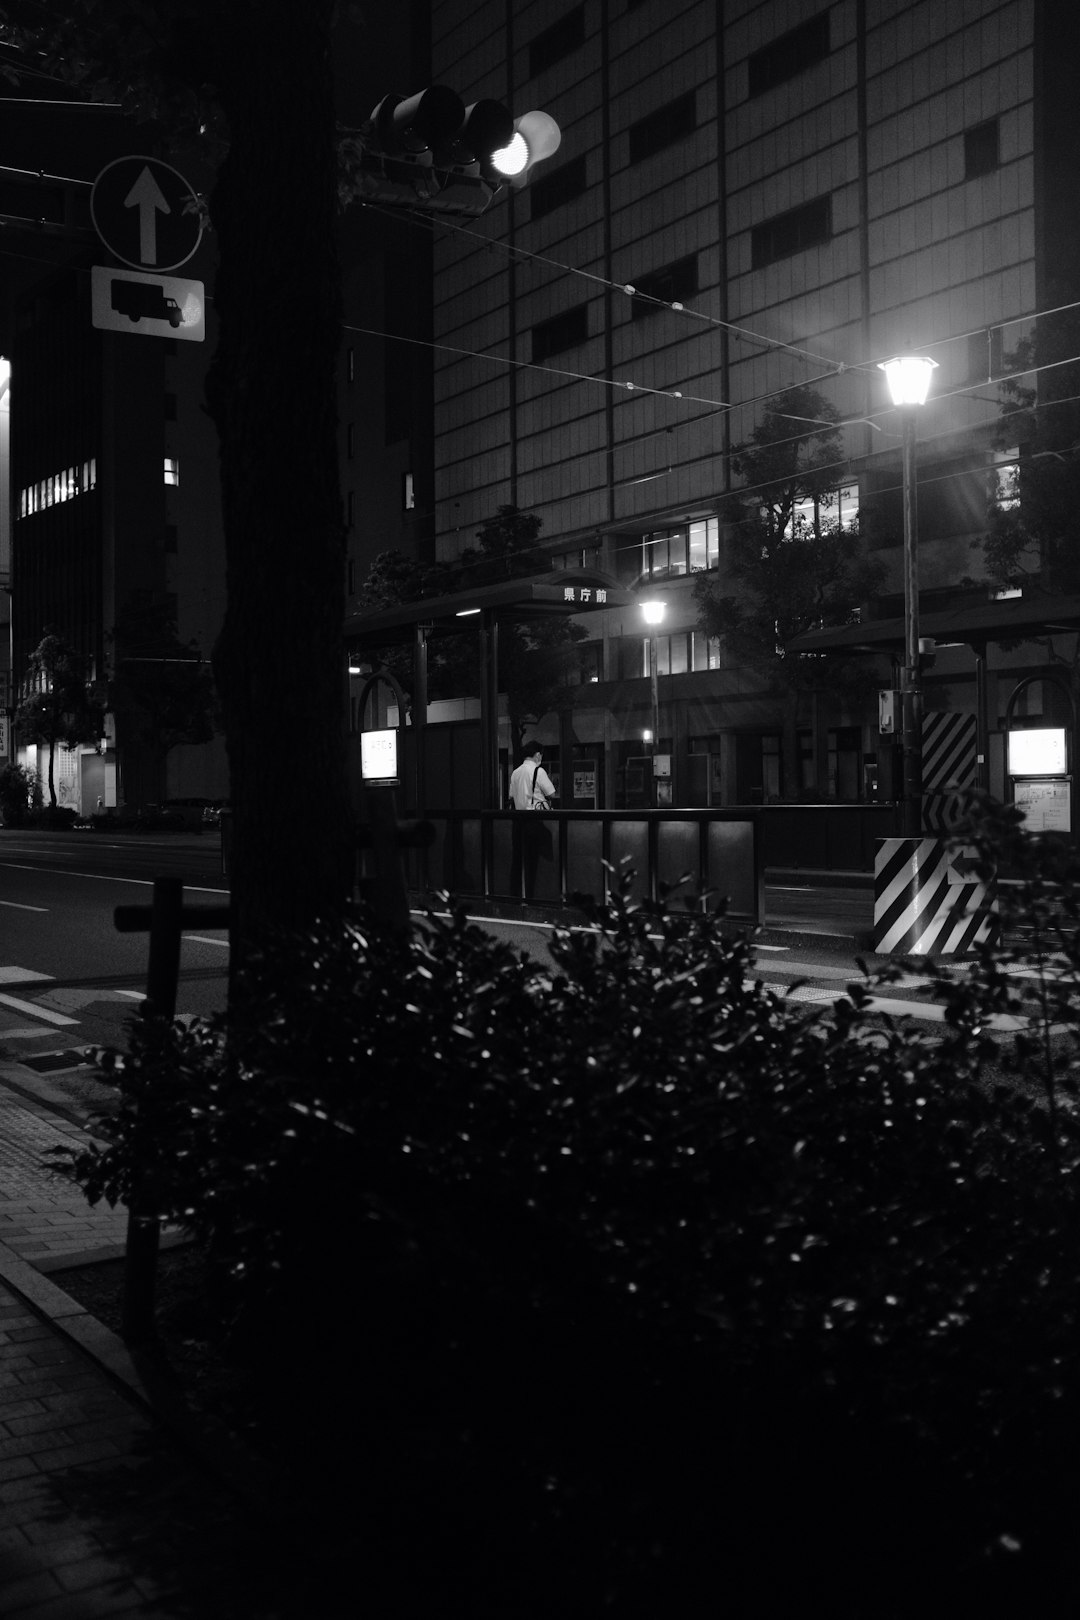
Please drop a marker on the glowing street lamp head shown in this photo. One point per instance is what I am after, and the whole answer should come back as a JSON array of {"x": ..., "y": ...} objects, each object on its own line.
[
  {"x": 908, "y": 377},
  {"x": 653, "y": 612}
]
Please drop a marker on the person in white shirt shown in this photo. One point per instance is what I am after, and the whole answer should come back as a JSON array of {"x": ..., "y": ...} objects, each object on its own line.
[{"x": 531, "y": 787}]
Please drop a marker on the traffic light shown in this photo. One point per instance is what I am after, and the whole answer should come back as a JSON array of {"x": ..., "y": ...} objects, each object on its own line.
[{"x": 430, "y": 151}]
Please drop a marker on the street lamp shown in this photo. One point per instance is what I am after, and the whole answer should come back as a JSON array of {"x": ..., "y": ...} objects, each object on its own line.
[
  {"x": 908, "y": 377},
  {"x": 653, "y": 614}
]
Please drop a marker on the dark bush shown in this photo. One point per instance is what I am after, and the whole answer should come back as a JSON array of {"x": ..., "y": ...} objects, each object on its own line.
[
  {"x": 633, "y": 1285},
  {"x": 54, "y": 816},
  {"x": 20, "y": 791}
]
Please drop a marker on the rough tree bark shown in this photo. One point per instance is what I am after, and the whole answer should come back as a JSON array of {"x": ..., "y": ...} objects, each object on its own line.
[{"x": 272, "y": 396}]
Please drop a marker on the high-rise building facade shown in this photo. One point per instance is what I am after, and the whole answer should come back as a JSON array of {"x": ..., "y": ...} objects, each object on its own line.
[{"x": 750, "y": 197}]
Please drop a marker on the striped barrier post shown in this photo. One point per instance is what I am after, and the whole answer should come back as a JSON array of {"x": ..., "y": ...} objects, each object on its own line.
[{"x": 926, "y": 900}]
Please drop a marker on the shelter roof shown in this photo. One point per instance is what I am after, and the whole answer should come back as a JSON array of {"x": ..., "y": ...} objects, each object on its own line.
[
  {"x": 561, "y": 593},
  {"x": 1014, "y": 619}
]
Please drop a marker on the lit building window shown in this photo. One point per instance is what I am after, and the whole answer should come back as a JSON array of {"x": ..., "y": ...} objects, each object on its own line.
[
  {"x": 704, "y": 540},
  {"x": 408, "y": 492},
  {"x": 172, "y": 470},
  {"x": 837, "y": 508},
  {"x": 1005, "y": 481},
  {"x": 61, "y": 486}
]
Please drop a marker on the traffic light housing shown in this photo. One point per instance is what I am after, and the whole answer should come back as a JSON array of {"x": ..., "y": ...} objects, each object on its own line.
[{"x": 430, "y": 151}]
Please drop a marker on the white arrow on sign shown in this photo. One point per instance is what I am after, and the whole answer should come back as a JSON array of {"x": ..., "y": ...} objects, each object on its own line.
[{"x": 145, "y": 195}]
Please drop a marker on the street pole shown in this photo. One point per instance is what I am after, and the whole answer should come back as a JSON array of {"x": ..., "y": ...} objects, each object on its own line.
[
  {"x": 654, "y": 696},
  {"x": 911, "y": 691},
  {"x": 909, "y": 377}
]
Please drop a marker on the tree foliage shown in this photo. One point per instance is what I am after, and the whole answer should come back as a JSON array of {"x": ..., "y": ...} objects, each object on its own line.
[
  {"x": 790, "y": 565},
  {"x": 62, "y": 705},
  {"x": 1032, "y": 536},
  {"x": 162, "y": 691},
  {"x": 719, "y": 1247}
]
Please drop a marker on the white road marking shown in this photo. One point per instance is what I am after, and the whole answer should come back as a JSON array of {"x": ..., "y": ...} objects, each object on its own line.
[
  {"x": 13, "y": 905},
  {"x": 35, "y": 1011},
  {"x": 18, "y": 975},
  {"x": 104, "y": 877},
  {"x": 204, "y": 939}
]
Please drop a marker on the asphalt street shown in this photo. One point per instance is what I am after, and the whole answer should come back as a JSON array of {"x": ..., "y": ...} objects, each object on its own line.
[{"x": 68, "y": 979}]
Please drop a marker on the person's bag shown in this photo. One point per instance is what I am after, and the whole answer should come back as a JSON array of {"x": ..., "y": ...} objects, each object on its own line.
[{"x": 543, "y": 804}]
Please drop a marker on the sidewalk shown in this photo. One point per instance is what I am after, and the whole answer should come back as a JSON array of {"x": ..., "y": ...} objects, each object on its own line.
[{"x": 113, "y": 1499}]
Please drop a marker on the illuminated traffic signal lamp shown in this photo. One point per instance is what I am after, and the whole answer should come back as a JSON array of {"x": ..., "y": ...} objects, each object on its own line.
[{"x": 431, "y": 151}]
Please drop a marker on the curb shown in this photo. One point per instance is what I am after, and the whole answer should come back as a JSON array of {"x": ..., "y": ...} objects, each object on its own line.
[
  {"x": 140, "y": 1375},
  {"x": 146, "y": 1381}
]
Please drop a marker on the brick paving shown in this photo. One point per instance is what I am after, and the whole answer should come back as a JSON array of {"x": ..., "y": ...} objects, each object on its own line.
[{"x": 111, "y": 1501}]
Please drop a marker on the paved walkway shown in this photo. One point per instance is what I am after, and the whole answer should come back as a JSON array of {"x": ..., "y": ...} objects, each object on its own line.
[{"x": 113, "y": 1501}]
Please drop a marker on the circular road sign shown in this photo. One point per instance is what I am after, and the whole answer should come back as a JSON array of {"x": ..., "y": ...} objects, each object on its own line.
[{"x": 145, "y": 213}]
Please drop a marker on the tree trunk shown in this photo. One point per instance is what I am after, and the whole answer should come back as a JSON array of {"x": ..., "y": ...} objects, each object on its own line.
[{"x": 279, "y": 660}]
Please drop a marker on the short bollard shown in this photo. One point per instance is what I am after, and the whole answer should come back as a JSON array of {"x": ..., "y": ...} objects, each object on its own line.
[{"x": 165, "y": 920}]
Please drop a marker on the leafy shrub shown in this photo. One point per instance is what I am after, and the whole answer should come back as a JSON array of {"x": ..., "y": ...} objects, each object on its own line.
[
  {"x": 55, "y": 816},
  {"x": 662, "y": 1280},
  {"x": 20, "y": 792}
]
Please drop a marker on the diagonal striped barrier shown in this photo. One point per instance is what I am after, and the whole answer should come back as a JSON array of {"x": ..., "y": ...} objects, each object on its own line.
[{"x": 926, "y": 903}]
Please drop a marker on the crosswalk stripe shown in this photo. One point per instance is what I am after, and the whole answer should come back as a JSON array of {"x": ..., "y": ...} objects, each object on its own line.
[{"x": 35, "y": 1011}]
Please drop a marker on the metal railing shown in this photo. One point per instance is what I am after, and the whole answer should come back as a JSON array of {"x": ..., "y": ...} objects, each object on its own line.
[{"x": 516, "y": 858}]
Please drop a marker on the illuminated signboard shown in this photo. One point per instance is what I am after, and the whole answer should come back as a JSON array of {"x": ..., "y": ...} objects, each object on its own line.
[
  {"x": 379, "y": 757},
  {"x": 585, "y": 594},
  {"x": 1037, "y": 753}
]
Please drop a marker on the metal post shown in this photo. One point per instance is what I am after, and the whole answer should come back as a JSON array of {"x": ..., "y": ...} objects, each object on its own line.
[
  {"x": 143, "y": 1225},
  {"x": 654, "y": 695},
  {"x": 911, "y": 694}
]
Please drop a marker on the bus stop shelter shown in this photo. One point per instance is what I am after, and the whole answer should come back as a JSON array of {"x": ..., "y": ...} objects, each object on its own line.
[
  {"x": 975, "y": 625},
  {"x": 566, "y": 593}
]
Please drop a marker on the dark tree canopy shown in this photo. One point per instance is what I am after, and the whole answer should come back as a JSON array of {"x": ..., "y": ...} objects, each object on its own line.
[{"x": 62, "y": 705}]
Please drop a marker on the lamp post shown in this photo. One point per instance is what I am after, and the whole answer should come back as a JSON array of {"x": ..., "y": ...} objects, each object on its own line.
[
  {"x": 908, "y": 377},
  {"x": 653, "y": 614}
]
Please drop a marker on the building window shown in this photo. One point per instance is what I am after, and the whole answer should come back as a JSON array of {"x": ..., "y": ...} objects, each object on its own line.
[
  {"x": 562, "y": 185},
  {"x": 350, "y": 365},
  {"x": 62, "y": 486},
  {"x": 584, "y": 557},
  {"x": 664, "y": 554},
  {"x": 663, "y": 127},
  {"x": 170, "y": 407},
  {"x": 350, "y": 504},
  {"x": 787, "y": 56},
  {"x": 704, "y": 545},
  {"x": 1005, "y": 480},
  {"x": 704, "y": 651},
  {"x": 561, "y": 332},
  {"x": 171, "y": 537},
  {"x": 557, "y": 41},
  {"x": 669, "y": 553},
  {"x": 172, "y": 470},
  {"x": 672, "y": 285},
  {"x": 785, "y": 234},
  {"x": 981, "y": 149},
  {"x": 350, "y": 440},
  {"x": 408, "y": 492},
  {"x": 814, "y": 513}
]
